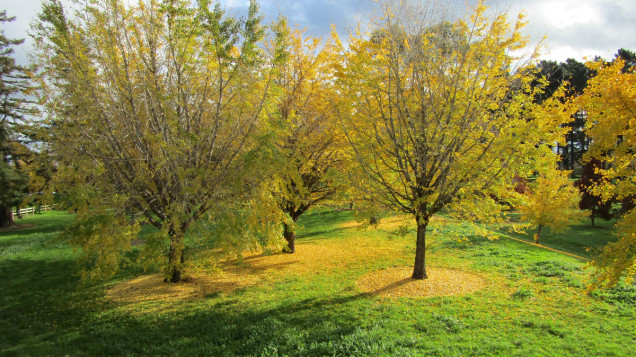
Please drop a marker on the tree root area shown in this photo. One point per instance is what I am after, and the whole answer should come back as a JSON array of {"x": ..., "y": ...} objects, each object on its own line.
[{"x": 397, "y": 282}]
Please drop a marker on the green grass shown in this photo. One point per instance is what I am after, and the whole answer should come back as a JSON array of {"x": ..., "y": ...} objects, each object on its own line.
[
  {"x": 581, "y": 239},
  {"x": 535, "y": 306}
]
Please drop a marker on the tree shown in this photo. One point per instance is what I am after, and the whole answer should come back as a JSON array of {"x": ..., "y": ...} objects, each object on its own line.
[
  {"x": 312, "y": 163},
  {"x": 437, "y": 125},
  {"x": 552, "y": 202},
  {"x": 572, "y": 72},
  {"x": 610, "y": 100},
  {"x": 13, "y": 87},
  {"x": 13, "y": 190},
  {"x": 155, "y": 110},
  {"x": 589, "y": 201},
  {"x": 629, "y": 57},
  {"x": 575, "y": 74}
]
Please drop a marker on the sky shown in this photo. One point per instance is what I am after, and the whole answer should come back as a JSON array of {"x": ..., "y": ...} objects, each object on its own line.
[{"x": 574, "y": 28}]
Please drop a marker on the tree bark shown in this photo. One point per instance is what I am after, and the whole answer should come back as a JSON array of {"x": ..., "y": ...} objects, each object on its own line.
[
  {"x": 419, "y": 268},
  {"x": 175, "y": 258},
  {"x": 290, "y": 236},
  {"x": 6, "y": 216},
  {"x": 537, "y": 237}
]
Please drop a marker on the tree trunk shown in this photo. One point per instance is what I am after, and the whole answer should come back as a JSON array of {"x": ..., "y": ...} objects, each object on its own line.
[
  {"x": 419, "y": 268},
  {"x": 572, "y": 158},
  {"x": 290, "y": 236},
  {"x": 175, "y": 258},
  {"x": 537, "y": 237},
  {"x": 6, "y": 216},
  {"x": 592, "y": 218}
]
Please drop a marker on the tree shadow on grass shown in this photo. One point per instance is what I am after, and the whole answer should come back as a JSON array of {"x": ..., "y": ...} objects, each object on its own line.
[
  {"x": 323, "y": 234},
  {"x": 17, "y": 227},
  {"x": 44, "y": 313},
  {"x": 236, "y": 330},
  {"x": 578, "y": 239},
  {"x": 389, "y": 287},
  {"x": 324, "y": 220},
  {"x": 469, "y": 242},
  {"x": 30, "y": 229},
  {"x": 45, "y": 223},
  {"x": 39, "y": 300}
]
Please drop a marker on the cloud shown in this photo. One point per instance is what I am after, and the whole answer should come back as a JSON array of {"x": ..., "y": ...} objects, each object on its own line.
[
  {"x": 25, "y": 12},
  {"x": 576, "y": 28}
]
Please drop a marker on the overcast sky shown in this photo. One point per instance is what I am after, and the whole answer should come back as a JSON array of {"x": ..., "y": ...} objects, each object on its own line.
[{"x": 575, "y": 28}]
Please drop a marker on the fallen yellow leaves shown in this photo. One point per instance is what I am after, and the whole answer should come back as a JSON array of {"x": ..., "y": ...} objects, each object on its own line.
[
  {"x": 384, "y": 223},
  {"x": 153, "y": 288},
  {"x": 311, "y": 258},
  {"x": 390, "y": 223},
  {"x": 397, "y": 282}
]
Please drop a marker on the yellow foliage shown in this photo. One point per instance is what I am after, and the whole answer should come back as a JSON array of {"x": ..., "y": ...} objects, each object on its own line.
[
  {"x": 552, "y": 202},
  {"x": 156, "y": 110},
  {"x": 441, "y": 115},
  {"x": 311, "y": 163},
  {"x": 610, "y": 101}
]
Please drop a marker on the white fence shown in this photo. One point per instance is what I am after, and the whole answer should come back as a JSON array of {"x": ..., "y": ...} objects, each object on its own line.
[{"x": 32, "y": 210}]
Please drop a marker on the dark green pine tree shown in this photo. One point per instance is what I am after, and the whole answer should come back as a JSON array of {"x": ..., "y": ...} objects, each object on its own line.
[
  {"x": 629, "y": 57},
  {"x": 13, "y": 84},
  {"x": 576, "y": 74}
]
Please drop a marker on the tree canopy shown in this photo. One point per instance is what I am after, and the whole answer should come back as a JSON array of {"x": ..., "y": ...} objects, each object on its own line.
[
  {"x": 309, "y": 143},
  {"x": 610, "y": 100},
  {"x": 155, "y": 110},
  {"x": 552, "y": 202},
  {"x": 436, "y": 125}
]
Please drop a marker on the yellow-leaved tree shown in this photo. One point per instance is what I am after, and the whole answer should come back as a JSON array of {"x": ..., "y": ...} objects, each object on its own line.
[
  {"x": 610, "y": 100},
  {"x": 155, "y": 109},
  {"x": 441, "y": 115},
  {"x": 311, "y": 162},
  {"x": 552, "y": 201}
]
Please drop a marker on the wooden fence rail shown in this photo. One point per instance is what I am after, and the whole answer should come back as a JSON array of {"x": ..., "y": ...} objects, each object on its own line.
[{"x": 32, "y": 210}]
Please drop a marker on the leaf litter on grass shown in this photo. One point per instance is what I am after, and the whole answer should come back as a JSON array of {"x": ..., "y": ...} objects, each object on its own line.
[
  {"x": 397, "y": 282},
  {"x": 390, "y": 223},
  {"x": 311, "y": 258}
]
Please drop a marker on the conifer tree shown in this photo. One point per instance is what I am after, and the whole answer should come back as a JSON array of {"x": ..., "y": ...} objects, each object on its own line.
[{"x": 13, "y": 85}]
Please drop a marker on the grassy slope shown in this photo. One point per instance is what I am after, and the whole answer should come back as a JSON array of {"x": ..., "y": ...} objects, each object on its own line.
[{"x": 534, "y": 306}]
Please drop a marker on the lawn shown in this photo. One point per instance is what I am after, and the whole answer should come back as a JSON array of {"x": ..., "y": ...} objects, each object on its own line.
[{"x": 532, "y": 301}]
